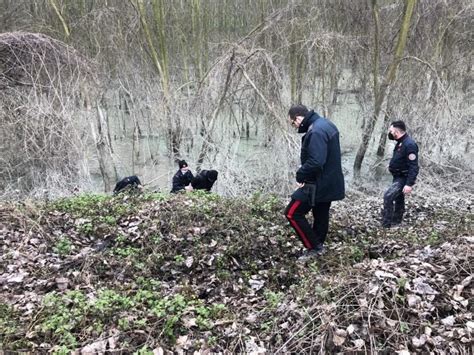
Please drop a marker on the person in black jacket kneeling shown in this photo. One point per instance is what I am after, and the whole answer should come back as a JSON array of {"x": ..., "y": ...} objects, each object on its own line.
[
  {"x": 319, "y": 178},
  {"x": 204, "y": 180},
  {"x": 130, "y": 182},
  {"x": 182, "y": 178}
]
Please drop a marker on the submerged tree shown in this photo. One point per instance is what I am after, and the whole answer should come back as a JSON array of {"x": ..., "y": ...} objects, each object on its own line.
[{"x": 381, "y": 92}]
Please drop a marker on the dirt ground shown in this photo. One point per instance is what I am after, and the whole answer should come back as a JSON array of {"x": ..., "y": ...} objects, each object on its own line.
[{"x": 156, "y": 273}]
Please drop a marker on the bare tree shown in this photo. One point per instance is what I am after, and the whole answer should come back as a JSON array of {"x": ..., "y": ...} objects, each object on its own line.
[
  {"x": 202, "y": 79},
  {"x": 40, "y": 84},
  {"x": 385, "y": 87}
]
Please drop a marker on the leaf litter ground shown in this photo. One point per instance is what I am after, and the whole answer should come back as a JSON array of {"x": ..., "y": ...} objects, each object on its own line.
[{"x": 197, "y": 272}]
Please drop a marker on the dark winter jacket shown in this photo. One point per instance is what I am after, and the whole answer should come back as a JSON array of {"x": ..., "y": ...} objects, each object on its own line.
[
  {"x": 180, "y": 180},
  {"x": 321, "y": 168},
  {"x": 132, "y": 181},
  {"x": 205, "y": 180},
  {"x": 404, "y": 162}
]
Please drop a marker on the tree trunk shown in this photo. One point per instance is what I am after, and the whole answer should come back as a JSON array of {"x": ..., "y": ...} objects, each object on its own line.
[
  {"x": 104, "y": 152},
  {"x": 208, "y": 128},
  {"x": 388, "y": 80},
  {"x": 159, "y": 62},
  {"x": 379, "y": 168}
]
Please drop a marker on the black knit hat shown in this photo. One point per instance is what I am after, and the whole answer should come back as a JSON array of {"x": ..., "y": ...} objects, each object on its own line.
[
  {"x": 182, "y": 164},
  {"x": 212, "y": 175}
]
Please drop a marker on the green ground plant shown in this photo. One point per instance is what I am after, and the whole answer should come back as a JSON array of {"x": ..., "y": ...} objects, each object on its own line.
[
  {"x": 63, "y": 246},
  {"x": 188, "y": 273},
  {"x": 264, "y": 204},
  {"x": 8, "y": 324},
  {"x": 273, "y": 299}
]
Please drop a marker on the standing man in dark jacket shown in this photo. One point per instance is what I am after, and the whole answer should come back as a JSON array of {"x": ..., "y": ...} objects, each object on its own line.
[
  {"x": 182, "y": 178},
  {"x": 319, "y": 178},
  {"x": 404, "y": 168}
]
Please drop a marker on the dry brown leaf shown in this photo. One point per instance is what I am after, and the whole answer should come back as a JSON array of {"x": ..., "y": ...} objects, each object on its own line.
[
  {"x": 419, "y": 342},
  {"x": 359, "y": 343},
  {"x": 448, "y": 321}
]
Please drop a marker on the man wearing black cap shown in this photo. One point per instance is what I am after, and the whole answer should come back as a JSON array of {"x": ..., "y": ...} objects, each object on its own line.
[
  {"x": 319, "y": 178},
  {"x": 404, "y": 169},
  {"x": 182, "y": 178},
  {"x": 205, "y": 180}
]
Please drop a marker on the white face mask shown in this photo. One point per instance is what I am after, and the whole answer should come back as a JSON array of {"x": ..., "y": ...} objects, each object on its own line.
[{"x": 183, "y": 170}]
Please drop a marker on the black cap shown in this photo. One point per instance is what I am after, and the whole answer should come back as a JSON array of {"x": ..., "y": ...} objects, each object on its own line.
[{"x": 182, "y": 164}]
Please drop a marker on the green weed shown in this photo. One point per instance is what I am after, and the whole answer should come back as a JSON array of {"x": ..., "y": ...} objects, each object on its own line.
[
  {"x": 322, "y": 293},
  {"x": 110, "y": 302},
  {"x": 155, "y": 196},
  {"x": 402, "y": 281},
  {"x": 155, "y": 238},
  {"x": 123, "y": 324},
  {"x": 263, "y": 204},
  {"x": 179, "y": 259},
  {"x": 212, "y": 340},
  {"x": 82, "y": 205},
  {"x": 95, "y": 208},
  {"x": 109, "y": 220},
  {"x": 86, "y": 228},
  {"x": 62, "y": 350},
  {"x": 62, "y": 315},
  {"x": 433, "y": 238},
  {"x": 8, "y": 325},
  {"x": 357, "y": 254},
  {"x": 273, "y": 298},
  {"x": 143, "y": 351},
  {"x": 404, "y": 328},
  {"x": 126, "y": 251},
  {"x": 63, "y": 246},
  {"x": 223, "y": 274}
]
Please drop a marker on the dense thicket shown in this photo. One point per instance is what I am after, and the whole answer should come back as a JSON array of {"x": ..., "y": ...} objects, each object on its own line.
[{"x": 201, "y": 75}]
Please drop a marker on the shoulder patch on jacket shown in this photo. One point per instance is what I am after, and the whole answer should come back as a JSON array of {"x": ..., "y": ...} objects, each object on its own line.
[{"x": 412, "y": 156}]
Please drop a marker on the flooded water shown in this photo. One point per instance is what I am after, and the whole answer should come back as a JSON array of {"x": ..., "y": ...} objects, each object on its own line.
[{"x": 152, "y": 163}]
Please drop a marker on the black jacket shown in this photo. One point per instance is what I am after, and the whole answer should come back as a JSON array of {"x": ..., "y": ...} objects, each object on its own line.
[
  {"x": 320, "y": 160},
  {"x": 180, "y": 180},
  {"x": 404, "y": 162},
  {"x": 204, "y": 181},
  {"x": 132, "y": 181}
]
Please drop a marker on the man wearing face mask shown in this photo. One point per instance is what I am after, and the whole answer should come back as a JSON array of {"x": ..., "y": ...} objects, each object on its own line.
[
  {"x": 182, "y": 178},
  {"x": 404, "y": 168},
  {"x": 319, "y": 178}
]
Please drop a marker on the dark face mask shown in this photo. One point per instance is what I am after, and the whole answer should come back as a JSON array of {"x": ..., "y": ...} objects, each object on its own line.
[{"x": 391, "y": 136}]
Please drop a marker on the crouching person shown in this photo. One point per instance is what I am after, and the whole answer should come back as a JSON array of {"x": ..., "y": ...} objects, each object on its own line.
[
  {"x": 128, "y": 183},
  {"x": 182, "y": 178},
  {"x": 204, "y": 180}
]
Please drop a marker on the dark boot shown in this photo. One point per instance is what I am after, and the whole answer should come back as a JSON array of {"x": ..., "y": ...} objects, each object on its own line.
[
  {"x": 392, "y": 193},
  {"x": 399, "y": 209}
]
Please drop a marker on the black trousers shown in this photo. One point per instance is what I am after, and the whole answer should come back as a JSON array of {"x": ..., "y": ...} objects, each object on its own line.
[
  {"x": 394, "y": 202},
  {"x": 296, "y": 212}
]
